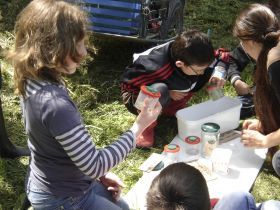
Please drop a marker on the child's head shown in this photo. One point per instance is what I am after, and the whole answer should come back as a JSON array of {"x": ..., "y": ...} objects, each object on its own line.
[
  {"x": 49, "y": 40},
  {"x": 178, "y": 187},
  {"x": 192, "y": 49}
]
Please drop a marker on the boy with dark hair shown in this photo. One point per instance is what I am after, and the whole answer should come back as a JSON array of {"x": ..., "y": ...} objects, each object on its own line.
[{"x": 175, "y": 69}]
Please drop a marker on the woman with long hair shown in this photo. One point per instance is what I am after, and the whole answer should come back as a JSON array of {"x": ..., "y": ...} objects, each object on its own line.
[{"x": 257, "y": 28}]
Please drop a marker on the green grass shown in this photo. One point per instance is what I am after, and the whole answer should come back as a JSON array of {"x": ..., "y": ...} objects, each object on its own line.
[{"x": 96, "y": 90}]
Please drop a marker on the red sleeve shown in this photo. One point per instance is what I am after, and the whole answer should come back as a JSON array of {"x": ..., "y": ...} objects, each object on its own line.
[{"x": 213, "y": 202}]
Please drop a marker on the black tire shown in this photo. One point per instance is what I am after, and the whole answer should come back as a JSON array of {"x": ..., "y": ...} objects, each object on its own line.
[{"x": 172, "y": 25}]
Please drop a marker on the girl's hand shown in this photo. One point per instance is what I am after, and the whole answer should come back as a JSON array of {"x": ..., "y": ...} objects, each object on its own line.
[
  {"x": 175, "y": 95},
  {"x": 252, "y": 124},
  {"x": 113, "y": 184},
  {"x": 253, "y": 138}
]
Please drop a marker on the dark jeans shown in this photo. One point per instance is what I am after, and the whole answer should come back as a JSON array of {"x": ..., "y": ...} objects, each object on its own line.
[{"x": 276, "y": 162}]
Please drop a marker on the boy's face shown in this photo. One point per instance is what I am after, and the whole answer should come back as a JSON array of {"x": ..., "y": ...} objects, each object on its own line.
[{"x": 191, "y": 69}]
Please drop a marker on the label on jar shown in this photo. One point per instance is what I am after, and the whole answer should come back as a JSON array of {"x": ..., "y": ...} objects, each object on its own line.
[{"x": 209, "y": 146}]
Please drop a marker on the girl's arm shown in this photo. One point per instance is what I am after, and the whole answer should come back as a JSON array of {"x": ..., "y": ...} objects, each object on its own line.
[{"x": 79, "y": 146}]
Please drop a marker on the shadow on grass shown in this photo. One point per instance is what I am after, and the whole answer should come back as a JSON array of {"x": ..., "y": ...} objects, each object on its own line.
[
  {"x": 12, "y": 176},
  {"x": 108, "y": 65},
  {"x": 9, "y": 11}
]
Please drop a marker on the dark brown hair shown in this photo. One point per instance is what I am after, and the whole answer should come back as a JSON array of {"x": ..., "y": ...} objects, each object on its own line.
[
  {"x": 259, "y": 24},
  {"x": 193, "y": 48},
  {"x": 46, "y": 31},
  {"x": 179, "y": 186}
]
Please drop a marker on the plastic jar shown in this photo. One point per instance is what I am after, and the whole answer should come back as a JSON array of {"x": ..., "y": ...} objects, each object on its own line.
[
  {"x": 210, "y": 134},
  {"x": 193, "y": 145},
  {"x": 219, "y": 72},
  {"x": 147, "y": 92},
  {"x": 172, "y": 152},
  {"x": 214, "y": 91}
]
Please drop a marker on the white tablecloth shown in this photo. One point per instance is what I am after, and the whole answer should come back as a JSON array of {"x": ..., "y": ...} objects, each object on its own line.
[{"x": 244, "y": 167}]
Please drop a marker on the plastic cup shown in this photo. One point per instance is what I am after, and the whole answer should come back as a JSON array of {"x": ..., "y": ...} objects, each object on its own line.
[
  {"x": 172, "y": 152},
  {"x": 147, "y": 92}
]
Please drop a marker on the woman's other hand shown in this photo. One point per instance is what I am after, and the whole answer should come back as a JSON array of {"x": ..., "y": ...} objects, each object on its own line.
[
  {"x": 252, "y": 124},
  {"x": 113, "y": 184}
]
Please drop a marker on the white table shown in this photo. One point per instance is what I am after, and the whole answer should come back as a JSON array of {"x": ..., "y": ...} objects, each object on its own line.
[{"x": 244, "y": 167}]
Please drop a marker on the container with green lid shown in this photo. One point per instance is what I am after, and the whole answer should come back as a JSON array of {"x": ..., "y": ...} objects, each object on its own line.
[
  {"x": 172, "y": 152},
  {"x": 214, "y": 91},
  {"x": 210, "y": 134},
  {"x": 193, "y": 145},
  {"x": 147, "y": 92}
]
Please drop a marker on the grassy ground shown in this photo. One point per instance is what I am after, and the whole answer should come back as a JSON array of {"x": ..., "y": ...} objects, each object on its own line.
[{"x": 95, "y": 88}]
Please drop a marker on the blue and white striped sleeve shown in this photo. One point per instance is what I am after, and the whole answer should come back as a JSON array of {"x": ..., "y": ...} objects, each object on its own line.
[
  {"x": 95, "y": 163},
  {"x": 62, "y": 118}
]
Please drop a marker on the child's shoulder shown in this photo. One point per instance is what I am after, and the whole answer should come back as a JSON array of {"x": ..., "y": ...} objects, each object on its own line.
[{"x": 44, "y": 89}]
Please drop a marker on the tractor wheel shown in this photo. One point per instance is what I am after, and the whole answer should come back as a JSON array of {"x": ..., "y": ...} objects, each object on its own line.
[{"x": 173, "y": 22}]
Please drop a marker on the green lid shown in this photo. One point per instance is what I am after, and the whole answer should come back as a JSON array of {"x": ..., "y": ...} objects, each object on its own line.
[
  {"x": 210, "y": 127},
  {"x": 151, "y": 89},
  {"x": 192, "y": 140},
  {"x": 172, "y": 146}
]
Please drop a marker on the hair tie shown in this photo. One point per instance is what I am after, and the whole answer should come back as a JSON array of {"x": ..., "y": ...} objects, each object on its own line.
[{"x": 271, "y": 38}]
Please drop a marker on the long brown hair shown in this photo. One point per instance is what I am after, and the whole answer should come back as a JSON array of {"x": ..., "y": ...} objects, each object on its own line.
[
  {"x": 258, "y": 23},
  {"x": 46, "y": 31}
]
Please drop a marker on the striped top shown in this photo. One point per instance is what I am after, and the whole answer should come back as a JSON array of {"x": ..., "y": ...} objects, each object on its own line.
[{"x": 64, "y": 161}]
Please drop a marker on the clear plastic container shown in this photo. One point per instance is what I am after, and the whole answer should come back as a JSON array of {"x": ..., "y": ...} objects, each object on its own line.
[
  {"x": 147, "y": 92},
  {"x": 210, "y": 134},
  {"x": 212, "y": 89},
  {"x": 220, "y": 72},
  {"x": 214, "y": 92},
  {"x": 172, "y": 152},
  {"x": 193, "y": 145}
]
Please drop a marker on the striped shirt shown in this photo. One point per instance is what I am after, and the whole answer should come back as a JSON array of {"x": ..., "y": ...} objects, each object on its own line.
[{"x": 64, "y": 161}]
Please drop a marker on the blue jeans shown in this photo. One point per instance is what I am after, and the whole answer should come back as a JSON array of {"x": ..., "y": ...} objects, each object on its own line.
[
  {"x": 97, "y": 198},
  {"x": 236, "y": 201},
  {"x": 244, "y": 201},
  {"x": 276, "y": 162}
]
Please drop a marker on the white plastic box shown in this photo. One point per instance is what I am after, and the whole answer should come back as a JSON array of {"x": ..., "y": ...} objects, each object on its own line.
[{"x": 224, "y": 111}]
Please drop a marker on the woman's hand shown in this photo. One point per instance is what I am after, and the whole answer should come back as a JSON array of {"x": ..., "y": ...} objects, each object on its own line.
[
  {"x": 253, "y": 138},
  {"x": 145, "y": 118},
  {"x": 252, "y": 124},
  {"x": 176, "y": 95},
  {"x": 113, "y": 184}
]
